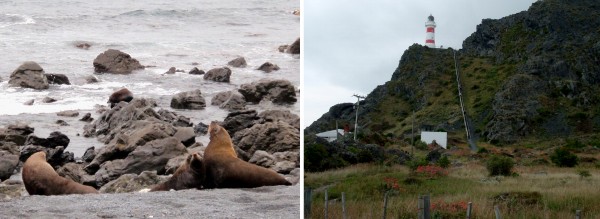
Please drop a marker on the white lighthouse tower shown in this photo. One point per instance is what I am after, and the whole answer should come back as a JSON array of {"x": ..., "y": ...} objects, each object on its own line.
[{"x": 430, "y": 38}]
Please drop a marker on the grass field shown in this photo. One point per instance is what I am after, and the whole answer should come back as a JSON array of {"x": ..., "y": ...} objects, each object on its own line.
[{"x": 537, "y": 191}]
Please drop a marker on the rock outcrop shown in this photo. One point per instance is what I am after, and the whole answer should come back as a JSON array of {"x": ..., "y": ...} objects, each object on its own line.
[
  {"x": 230, "y": 100},
  {"x": 29, "y": 75},
  {"x": 218, "y": 74},
  {"x": 277, "y": 91},
  {"x": 238, "y": 62},
  {"x": 116, "y": 62},
  {"x": 188, "y": 100}
]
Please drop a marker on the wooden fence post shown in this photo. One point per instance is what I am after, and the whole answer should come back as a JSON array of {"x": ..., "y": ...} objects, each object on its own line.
[
  {"x": 497, "y": 211},
  {"x": 578, "y": 214},
  {"x": 420, "y": 205},
  {"x": 469, "y": 209},
  {"x": 385, "y": 201},
  {"x": 424, "y": 205},
  {"x": 343, "y": 205},
  {"x": 326, "y": 204},
  {"x": 307, "y": 202}
]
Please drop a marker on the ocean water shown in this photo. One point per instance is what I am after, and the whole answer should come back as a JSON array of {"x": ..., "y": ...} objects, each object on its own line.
[{"x": 163, "y": 34}]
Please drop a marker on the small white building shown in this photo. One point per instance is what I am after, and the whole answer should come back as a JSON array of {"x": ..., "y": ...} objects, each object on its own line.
[
  {"x": 331, "y": 135},
  {"x": 440, "y": 138}
]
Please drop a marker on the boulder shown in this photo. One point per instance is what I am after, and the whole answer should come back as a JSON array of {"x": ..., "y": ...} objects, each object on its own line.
[
  {"x": 188, "y": 100},
  {"x": 186, "y": 135},
  {"x": 48, "y": 100},
  {"x": 294, "y": 176},
  {"x": 277, "y": 91},
  {"x": 9, "y": 147},
  {"x": 57, "y": 79},
  {"x": 174, "y": 163},
  {"x": 284, "y": 167},
  {"x": 280, "y": 115},
  {"x": 29, "y": 75},
  {"x": 230, "y": 100},
  {"x": 151, "y": 156},
  {"x": 11, "y": 189},
  {"x": 55, "y": 139},
  {"x": 239, "y": 120},
  {"x": 90, "y": 79},
  {"x": 73, "y": 171},
  {"x": 238, "y": 62},
  {"x": 83, "y": 45},
  {"x": 8, "y": 164},
  {"x": 262, "y": 158},
  {"x": 294, "y": 48},
  {"x": 16, "y": 133},
  {"x": 115, "y": 61},
  {"x": 132, "y": 182},
  {"x": 196, "y": 71},
  {"x": 87, "y": 118},
  {"x": 89, "y": 155},
  {"x": 283, "y": 48},
  {"x": 61, "y": 122},
  {"x": 218, "y": 74},
  {"x": 29, "y": 102},
  {"x": 271, "y": 137},
  {"x": 174, "y": 118},
  {"x": 268, "y": 67},
  {"x": 68, "y": 113},
  {"x": 56, "y": 157},
  {"x": 171, "y": 70},
  {"x": 201, "y": 129}
]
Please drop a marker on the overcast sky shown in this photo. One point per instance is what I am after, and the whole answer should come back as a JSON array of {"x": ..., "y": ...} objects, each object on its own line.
[{"x": 351, "y": 46}]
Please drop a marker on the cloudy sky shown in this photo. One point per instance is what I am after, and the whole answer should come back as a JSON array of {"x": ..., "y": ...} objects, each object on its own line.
[{"x": 351, "y": 46}]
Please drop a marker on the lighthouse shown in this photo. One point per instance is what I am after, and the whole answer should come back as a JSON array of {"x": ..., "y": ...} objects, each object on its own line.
[{"x": 430, "y": 37}]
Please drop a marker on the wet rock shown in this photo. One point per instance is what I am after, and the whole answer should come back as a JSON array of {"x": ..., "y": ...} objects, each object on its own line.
[
  {"x": 56, "y": 157},
  {"x": 132, "y": 182},
  {"x": 277, "y": 91},
  {"x": 174, "y": 118},
  {"x": 55, "y": 139},
  {"x": 185, "y": 135},
  {"x": 57, "y": 79},
  {"x": 231, "y": 100},
  {"x": 48, "y": 100},
  {"x": 280, "y": 115},
  {"x": 8, "y": 164},
  {"x": 282, "y": 48},
  {"x": 151, "y": 156},
  {"x": 114, "y": 120},
  {"x": 271, "y": 137},
  {"x": 238, "y": 62},
  {"x": 115, "y": 61},
  {"x": 61, "y": 122},
  {"x": 218, "y": 74},
  {"x": 196, "y": 71},
  {"x": 87, "y": 118},
  {"x": 174, "y": 163},
  {"x": 239, "y": 120},
  {"x": 29, "y": 102},
  {"x": 9, "y": 147},
  {"x": 29, "y": 75},
  {"x": 90, "y": 79},
  {"x": 268, "y": 67},
  {"x": 83, "y": 45},
  {"x": 188, "y": 100},
  {"x": 89, "y": 155},
  {"x": 11, "y": 189},
  {"x": 16, "y": 133},
  {"x": 201, "y": 129},
  {"x": 73, "y": 171},
  {"x": 68, "y": 113},
  {"x": 294, "y": 48},
  {"x": 171, "y": 70},
  {"x": 121, "y": 95}
]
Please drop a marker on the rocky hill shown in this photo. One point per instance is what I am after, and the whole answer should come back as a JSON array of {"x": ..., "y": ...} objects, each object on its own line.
[{"x": 534, "y": 75}]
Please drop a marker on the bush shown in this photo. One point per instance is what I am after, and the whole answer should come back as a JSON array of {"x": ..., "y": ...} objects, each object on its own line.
[
  {"x": 482, "y": 151},
  {"x": 444, "y": 162},
  {"x": 584, "y": 173},
  {"x": 417, "y": 162},
  {"x": 562, "y": 157},
  {"x": 500, "y": 166},
  {"x": 420, "y": 145}
]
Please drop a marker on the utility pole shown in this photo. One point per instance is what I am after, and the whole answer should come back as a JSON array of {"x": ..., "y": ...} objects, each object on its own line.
[
  {"x": 356, "y": 120},
  {"x": 412, "y": 135}
]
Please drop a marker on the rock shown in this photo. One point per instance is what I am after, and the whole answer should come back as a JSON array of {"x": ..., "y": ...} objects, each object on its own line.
[
  {"x": 294, "y": 176},
  {"x": 196, "y": 71},
  {"x": 121, "y": 95},
  {"x": 239, "y": 120},
  {"x": 16, "y": 133},
  {"x": 48, "y": 100},
  {"x": 174, "y": 163},
  {"x": 280, "y": 115},
  {"x": 218, "y": 74},
  {"x": 115, "y": 61},
  {"x": 171, "y": 70},
  {"x": 292, "y": 156},
  {"x": 9, "y": 147},
  {"x": 90, "y": 79},
  {"x": 112, "y": 121},
  {"x": 57, "y": 79},
  {"x": 29, "y": 102},
  {"x": 55, "y": 139},
  {"x": 174, "y": 119},
  {"x": 201, "y": 129},
  {"x": 268, "y": 67},
  {"x": 89, "y": 155},
  {"x": 231, "y": 100},
  {"x": 262, "y": 158},
  {"x": 73, "y": 171},
  {"x": 186, "y": 135},
  {"x": 87, "y": 118},
  {"x": 188, "y": 100},
  {"x": 83, "y": 45},
  {"x": 195, "y": 63},
  {"x": 153, "y": 155},
  {"x": 61, "y": 122},
  {"x": 278, "y": 91},
  {"x": 294, "y": 48},
  {"x": 68, "y": 113},
  {"x": 271, "y": 137},
  {"x": 282, "y": 48},
  {"x": 8, "y": 164},
  {"x": 55, "y": 156},
  {"x": 284, "y": 167},
  {"x": 238, "y": 62},
  {"x": 132, "y": 182},
  {"x": 29, "y": 75},
  {"x": 10, "y": 189}
]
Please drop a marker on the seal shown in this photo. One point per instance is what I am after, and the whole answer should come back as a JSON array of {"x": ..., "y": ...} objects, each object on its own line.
[
  {"x": 188, "y": 175},
  {"x": 41, "y": 179},
  {"x": 120, "y": 95},
  {"x": 223, "y": 169}
]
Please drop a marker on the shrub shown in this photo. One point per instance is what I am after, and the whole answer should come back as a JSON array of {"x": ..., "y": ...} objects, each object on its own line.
[
  {"x": 482, "y": 151},
  {"x": 415, "y": 163},
  {"x": 443, "y": 209},
  {"x": 444, "y": 162},
  {"x": 497, "y": 165},
  {"x": 431, "y": 171},
  {"x": 420, "y": 145},
  {"x": 584, "y": 173},
  {"x": 562, "y": 157}
]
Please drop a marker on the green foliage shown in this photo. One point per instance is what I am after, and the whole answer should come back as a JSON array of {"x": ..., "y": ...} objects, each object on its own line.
[
  {"x": 583, "y": 173},
  {"x": 443, "y": 162},
  {"x": 420, "y": 145},
  {"x": 482, "y": 151},
  {"x": 415, "y": 163},
  {"x": 498, "y": 165},
  {"x": 574, "y": 144},
  {"x": 562, "y": 157}
]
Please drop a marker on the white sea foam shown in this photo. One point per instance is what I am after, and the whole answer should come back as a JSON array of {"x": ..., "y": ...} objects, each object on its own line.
[{"x": 15, "y": 19}]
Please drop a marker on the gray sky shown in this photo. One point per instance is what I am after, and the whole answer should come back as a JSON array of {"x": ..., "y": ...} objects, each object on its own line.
[{"x": 351, "y": 46}]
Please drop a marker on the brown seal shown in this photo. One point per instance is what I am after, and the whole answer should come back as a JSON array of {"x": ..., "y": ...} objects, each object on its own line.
[
  {"x": 41, "y": 179},
  {"x": 188, "y": 175},
  {"x": 223, "y": 169},
  {"x": 120, "y": 95}
]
